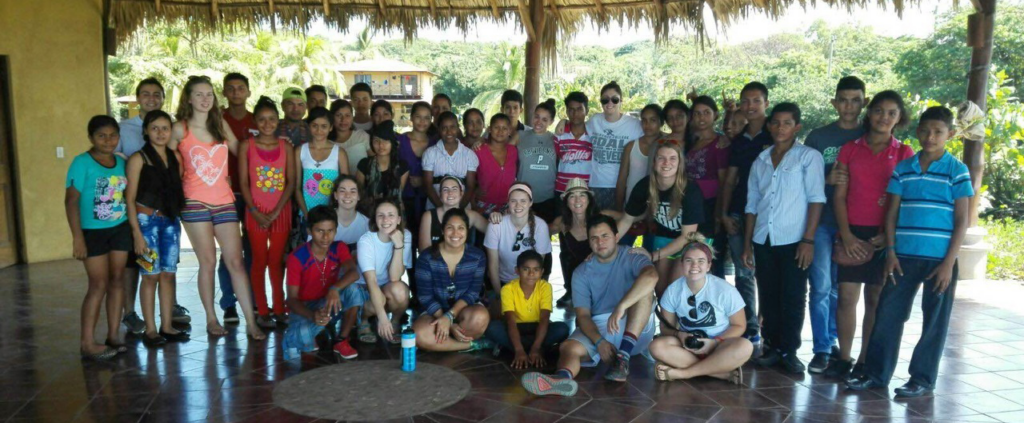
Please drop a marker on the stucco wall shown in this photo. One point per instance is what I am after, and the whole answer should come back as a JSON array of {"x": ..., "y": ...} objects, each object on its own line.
[{"x": 55, "y": 51}]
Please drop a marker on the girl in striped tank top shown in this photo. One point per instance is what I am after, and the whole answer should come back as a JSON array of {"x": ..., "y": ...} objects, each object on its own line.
[{"x": 204, "y": 141}]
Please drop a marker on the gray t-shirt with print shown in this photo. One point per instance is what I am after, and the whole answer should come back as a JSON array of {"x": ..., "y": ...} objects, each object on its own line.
[
  {"x": 538, "y": 164},
  {"x": 828, "y": 140},
  {"x": 600, "y": 287}
]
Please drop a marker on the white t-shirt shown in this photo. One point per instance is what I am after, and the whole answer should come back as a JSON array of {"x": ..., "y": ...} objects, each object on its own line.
[
  {"x": 608, "y": 140},
  {"x": 357, "y": 147},
  {"x": 355, "y": 230},
  {"x": 372, "y": 254},
  {"x": 716, "y": 301},
  {"x": 437, "y": 160},
  {"x": 503, "y": 237},
  {"x": 366, "y": 126}
]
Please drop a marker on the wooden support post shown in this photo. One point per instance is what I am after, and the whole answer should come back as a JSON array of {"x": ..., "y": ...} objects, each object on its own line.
[
  {"x": 533, "y": 52},
  {"x": 979, "y": 37}
]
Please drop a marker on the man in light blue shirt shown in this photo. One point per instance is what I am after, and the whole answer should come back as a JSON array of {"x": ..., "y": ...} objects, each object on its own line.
[{"x": 785, "y": 195}]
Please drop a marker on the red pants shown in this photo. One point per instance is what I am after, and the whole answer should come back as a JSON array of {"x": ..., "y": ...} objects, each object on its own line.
[{"x": 267, "y": 252}]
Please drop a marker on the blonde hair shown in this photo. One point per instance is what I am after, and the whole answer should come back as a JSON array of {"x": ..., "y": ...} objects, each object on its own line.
[
  {"x": 678, "y": 187},
  {"x": 699, "y": 241},
  {"x": 214, "y": 122}
]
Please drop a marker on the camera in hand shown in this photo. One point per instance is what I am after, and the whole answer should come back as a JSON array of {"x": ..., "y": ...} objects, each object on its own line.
[{"x": 693, "y": 341}]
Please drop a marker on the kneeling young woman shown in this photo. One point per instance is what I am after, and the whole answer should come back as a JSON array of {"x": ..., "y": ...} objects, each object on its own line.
[{"x": 704, "y": 302}]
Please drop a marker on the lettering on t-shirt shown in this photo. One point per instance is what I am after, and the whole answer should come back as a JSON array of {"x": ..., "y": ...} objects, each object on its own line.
[
  {"x": 575, "y": 156},
  {"x": 608, "y": 147},
  {"x": 662, "y": 218}
]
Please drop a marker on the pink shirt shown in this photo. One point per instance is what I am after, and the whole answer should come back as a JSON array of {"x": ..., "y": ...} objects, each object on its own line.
[
  {"x": 494, "y": 179},
  {"x": 206, "y": 171},
  {"x": 869, "y": 176},
  {"x": 703, "y": 165}
]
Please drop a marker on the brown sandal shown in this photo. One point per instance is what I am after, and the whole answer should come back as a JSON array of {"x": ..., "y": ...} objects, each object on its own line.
[
  {"x": 661, "y": 371},
  {"x": 736, "y": 376}
]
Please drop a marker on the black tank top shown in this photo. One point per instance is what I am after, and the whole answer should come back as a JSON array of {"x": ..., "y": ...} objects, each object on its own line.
[
  {"x": 160, "y": 186},
  {"x": 578, "y": 250},
  {"x": 435, "y": 228}
]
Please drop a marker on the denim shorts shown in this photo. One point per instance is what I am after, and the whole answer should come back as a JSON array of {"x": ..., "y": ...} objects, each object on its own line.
[{"x": 163, "y": 235}]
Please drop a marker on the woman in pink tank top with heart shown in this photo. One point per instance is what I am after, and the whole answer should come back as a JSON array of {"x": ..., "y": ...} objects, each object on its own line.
[{"x": 209, "y": 216}]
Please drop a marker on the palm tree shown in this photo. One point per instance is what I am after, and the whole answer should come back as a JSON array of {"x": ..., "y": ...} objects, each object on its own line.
[
  {"x": 306, "y": 61},
  {"x": 504, "y": 69}
]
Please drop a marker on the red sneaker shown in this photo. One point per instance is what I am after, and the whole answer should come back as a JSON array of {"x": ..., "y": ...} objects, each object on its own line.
[{"x": 345, "y": 350}]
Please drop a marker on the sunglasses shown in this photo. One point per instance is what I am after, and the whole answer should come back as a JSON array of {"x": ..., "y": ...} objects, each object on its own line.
[
  {"x": 521, "y": 240},
  {"x": 692, "y": 302},
  {"x": 613, "y": 100}
]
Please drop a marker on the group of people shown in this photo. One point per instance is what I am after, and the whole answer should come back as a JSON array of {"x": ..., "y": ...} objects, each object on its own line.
[{"x": 331, "y": 201}]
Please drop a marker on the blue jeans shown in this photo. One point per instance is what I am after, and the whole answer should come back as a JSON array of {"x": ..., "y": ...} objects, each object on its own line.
[
  {"x": 227, "y": 297},
  {"x": 497, "y": 331},
  {"x": 824, "y": 290},
  {"x": 163, "y": 236},
  {"x": 744, "y": 281},
  {"x": 894, "y": 306}
]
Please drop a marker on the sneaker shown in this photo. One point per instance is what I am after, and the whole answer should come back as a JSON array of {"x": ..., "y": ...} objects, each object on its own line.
[
  {"x": 862, "y": 384},
  {"x": 912, "y": 390},
  {"x": 619, "y": 369},
  {"x": 180, "y": 315},
  {"x": 834, "y": 352},
  {"x": 792, "y": 364},
  {"x": 819, "y": 363},
  {"x": 482, "y": 344},
  {"x": 345, "y": 350},
  {"x": 839, "y": 369},
  {"x": 135, "y": 324},
  {"x": 565, "y": 301},
  {"x": 231, "y": 315},
  {"x": 281, "y": 319},
  {"x": 768, "y": 358},
  {"x": 857, "y": 372},
  {"x": 266, "y": 322},
  {"x": 542, "y": 384}
]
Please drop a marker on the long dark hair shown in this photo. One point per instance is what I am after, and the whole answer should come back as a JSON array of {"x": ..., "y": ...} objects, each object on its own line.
[
  {"x": 172, "y": 195},
  {"x": 591, "y": 211}
]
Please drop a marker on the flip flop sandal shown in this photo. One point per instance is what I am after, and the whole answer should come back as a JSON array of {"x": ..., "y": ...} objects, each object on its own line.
[
  {"x": 736, "y": 376},
  {"x": 396, "y": 333},
  {"x": 661, "y": 371},
  {"x": 104, "y": 355},
  {"x": 366, "y": 334}
]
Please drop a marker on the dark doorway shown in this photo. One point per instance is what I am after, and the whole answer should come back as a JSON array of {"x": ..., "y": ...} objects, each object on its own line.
[{"x": 10, "y": 248}]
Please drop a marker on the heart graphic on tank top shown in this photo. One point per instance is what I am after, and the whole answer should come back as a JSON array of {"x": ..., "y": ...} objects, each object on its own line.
[{"x": 205, "y": 162}]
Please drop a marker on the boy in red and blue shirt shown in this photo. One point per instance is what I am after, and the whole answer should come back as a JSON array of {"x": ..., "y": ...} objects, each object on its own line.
[{"x": 321, "y": 288}]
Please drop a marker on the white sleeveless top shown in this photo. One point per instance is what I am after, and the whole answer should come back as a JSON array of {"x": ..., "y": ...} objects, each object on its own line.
[
  {"x": 639, "y": 166},
  {"x": 330, "y": 163}
]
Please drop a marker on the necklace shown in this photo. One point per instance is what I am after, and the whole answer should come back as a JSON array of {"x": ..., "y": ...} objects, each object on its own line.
[{"x": 322, "y": 269}]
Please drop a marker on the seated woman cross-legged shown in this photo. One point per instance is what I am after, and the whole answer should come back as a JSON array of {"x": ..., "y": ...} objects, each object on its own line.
[
  {"x": 449, "y": 278},
  {"x": 700, "y": 302}
]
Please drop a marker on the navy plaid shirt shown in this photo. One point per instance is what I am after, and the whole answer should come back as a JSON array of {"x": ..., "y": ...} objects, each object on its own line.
[{"x": 437, "y": 290}]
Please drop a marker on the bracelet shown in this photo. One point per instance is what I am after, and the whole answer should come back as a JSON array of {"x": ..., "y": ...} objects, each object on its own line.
[
  {"x": 450, "y": 316},
  {"x": 400, "y": 248},
  {"x": 807, "y": 241}
]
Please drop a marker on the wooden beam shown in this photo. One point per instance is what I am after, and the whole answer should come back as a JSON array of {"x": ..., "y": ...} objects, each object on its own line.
[
  {"x": 980, "y": 28},
  {"x": 600, "y": 6},
  {"x": 524, "y": 15},
  {"x": 383, "y": 9},
  {"x": 213, "y": 9},
  {"x": 531, "y": 86},
  {"x": 327, "y": 8},
  {"x": 554, "y": 7},
  {"x": 157, "y": 6},
  {"x": 271, "y": 7},
  {"x": 494, "y": 8},
  {"x": 433, "y": 8}
]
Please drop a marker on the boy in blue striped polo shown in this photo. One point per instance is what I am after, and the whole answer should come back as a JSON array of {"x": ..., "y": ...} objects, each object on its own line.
[{"x": 924, "y": 227}]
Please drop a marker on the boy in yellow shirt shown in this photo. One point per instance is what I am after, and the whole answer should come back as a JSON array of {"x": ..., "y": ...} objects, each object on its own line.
[{"x": 526, "y": 304}]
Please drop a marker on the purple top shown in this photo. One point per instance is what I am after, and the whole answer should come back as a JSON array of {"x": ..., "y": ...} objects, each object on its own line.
[
  {"x": 414, "y": 162},
  {"x": 702, "y": 166}
]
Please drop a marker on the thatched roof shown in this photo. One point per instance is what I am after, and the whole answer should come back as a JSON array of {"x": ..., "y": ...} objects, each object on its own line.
[{"x": 407, "y": 16}]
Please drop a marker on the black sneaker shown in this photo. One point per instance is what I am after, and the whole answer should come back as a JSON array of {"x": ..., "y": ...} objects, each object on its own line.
[
  {"x": 857, "y": 372},
  {"x": 791, "y": 364},
  {"x": 835, "y": 352},
  {"x": 819, "y": 363},
  {"x": 912, "y": 390},
  {"x": 839, "y": 369},
  {"x": 769, "y": 357},
  {"x": 231, "y": 315}
]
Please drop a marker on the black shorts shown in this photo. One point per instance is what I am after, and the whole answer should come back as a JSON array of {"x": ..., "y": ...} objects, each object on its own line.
[
  {"x": 548, "y": 210},
  {"x": 102, "y": 241},
  {"x": 869, "y": 273}
]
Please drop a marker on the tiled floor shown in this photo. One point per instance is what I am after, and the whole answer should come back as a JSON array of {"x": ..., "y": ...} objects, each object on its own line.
[{"x": 231, "y": 379}]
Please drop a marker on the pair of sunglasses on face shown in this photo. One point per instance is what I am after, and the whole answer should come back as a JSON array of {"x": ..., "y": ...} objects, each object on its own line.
[{"x": 613, "y": 100}]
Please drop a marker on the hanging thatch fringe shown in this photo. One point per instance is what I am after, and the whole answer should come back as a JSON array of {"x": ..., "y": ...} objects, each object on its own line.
[{"x": 563, "y": 18}]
